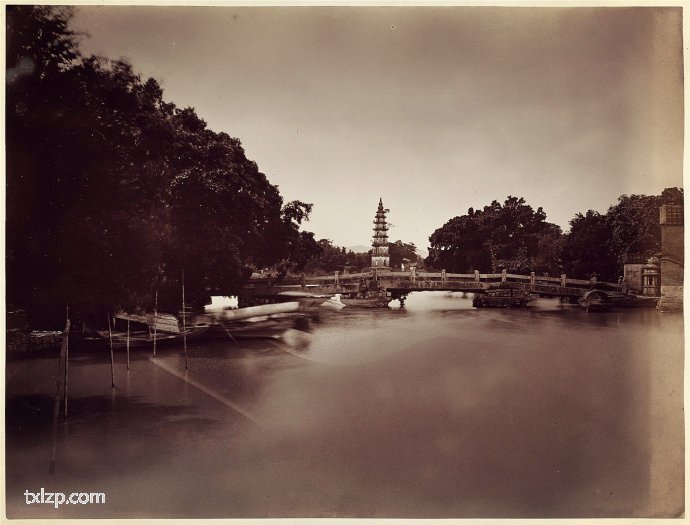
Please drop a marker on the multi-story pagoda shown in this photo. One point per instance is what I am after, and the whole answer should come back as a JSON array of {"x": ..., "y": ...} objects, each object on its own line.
[{"x": 379, "y": 252}]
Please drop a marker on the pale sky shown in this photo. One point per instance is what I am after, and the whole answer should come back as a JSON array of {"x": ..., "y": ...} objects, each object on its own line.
[{"x": 434, "y": 109}]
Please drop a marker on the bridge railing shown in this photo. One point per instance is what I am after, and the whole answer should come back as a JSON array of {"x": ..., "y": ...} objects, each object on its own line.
[{"x": 430, "y": 277}]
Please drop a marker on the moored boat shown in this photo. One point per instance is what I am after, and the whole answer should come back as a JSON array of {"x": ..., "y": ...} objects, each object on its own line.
[
  {"x": 142, "y": 338},
  {"x": 501, "y": 298},
  {"x": 264, "y": 321},
  {"x": 366, "y": 302},
  {"x": 599, "y": 300},
  {"x": 144, "y": 329}
]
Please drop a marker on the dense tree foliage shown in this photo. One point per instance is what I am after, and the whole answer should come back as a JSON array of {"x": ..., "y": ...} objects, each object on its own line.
[
  {"x": 516, "y": 237},
  {"x": 398, "y": 251},
  {"x": 358, "y": 261},
  {"x": 329, "y": 258},
  {"x": 509, "y": 235},
  {"x": 113, "y": 193},
  {"x": 634, "y": 222},
  {"x": 333, "y": 258},
  {"x": 587, "y": 249},
  {"x": 600, "y": 244}
]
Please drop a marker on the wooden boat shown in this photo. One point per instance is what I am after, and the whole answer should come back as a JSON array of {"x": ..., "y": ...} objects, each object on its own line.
[
  {"x": 366, "y": 302},
  {"x": 265, "y": 321},
  {"x": 272, "y": 327},
  {"x": 310, "y": 301},
  {"x": 165, "y": 328},
  {"x": 501, "y": 298},
  {"x": 600, "y": 300},
  {"x": 306, "y": 300},
  {"x": 141, "y": 338}
]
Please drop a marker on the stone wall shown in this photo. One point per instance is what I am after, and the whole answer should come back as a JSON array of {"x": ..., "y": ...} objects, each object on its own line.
[
  {"x": 672, "y": 257},
  {"x": 671, "y": 299},
  {"x": 632, "y": 276},
  {"x": 672, "y": 242},
  {"x": 671, "y": 273}
]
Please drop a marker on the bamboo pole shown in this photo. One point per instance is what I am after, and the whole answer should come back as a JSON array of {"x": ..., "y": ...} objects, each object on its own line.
[
  {"x": 127, "y": 343},
  {"x": 155, "y": 325},
  {"x": 112, "y": 361},
  {"x": 65, "y": 341},
  {"x": 184, "y": 325},
  {"x": 59, "y": 390}
]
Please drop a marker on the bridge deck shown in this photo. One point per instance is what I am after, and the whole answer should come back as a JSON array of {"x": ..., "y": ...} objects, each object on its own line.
[{"x": 406, "y": 282}]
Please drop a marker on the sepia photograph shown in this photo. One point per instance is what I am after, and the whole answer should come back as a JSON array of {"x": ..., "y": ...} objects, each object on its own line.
[{"x": 354, "y": 261}]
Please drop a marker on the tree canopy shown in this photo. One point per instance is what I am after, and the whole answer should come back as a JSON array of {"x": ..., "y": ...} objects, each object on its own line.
[
  {"x": 331, "y": 258},
  {"x": 507, "y": 235},
  {"x": 514, "y": 236},
  {"x": 599, "y": 244},
  {"x": 399, "y": 250},
  {"x": 113, "y": 192},
  {"x": 587, "y": 249}
]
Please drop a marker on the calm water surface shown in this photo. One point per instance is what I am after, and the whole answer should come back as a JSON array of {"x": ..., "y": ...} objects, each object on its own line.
[{"x": 435, "y": 410}]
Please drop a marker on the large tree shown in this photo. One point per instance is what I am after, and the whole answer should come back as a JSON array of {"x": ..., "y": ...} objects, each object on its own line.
[
  {"x": 400, "y": 250},
  {"x": 498, "y": 236},
  {"x": 112, "y": 192},
  {"x": 328, "y": 259},
  {"x": 587, "y": 248},
  {"x": 634, "y": 222},
  {"x": 599, "y": 244}
]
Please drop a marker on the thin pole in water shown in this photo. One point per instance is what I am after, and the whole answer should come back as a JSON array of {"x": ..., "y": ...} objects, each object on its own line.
[
  {"x": 112, "y": 361},
  {"x": 184, "y": 324},
  {"x": 155, "y": 324},
  {"x": 66, "y": 343},
  {"x": 127, "y": 343},
  {"x": 59, "y": 390}
]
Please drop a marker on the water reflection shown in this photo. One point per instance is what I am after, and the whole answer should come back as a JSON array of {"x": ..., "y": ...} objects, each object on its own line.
[{"x": 434, "y": 410}]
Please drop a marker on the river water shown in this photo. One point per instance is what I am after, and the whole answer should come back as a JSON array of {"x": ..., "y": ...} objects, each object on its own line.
[{"x": 435, "y": 410}]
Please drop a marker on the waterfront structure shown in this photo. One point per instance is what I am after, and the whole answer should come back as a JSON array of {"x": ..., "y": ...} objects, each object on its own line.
[
  {"x": 650, "y": 278},
  {"x": 641, "y": 275},
  {"x": 672, "y": 256},
  {"x": 632, "y": 277},
  {"x": 379, "y": 252}
]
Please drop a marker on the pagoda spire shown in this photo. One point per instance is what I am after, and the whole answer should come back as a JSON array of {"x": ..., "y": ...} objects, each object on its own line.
[{"x": 379, "y": 252}]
